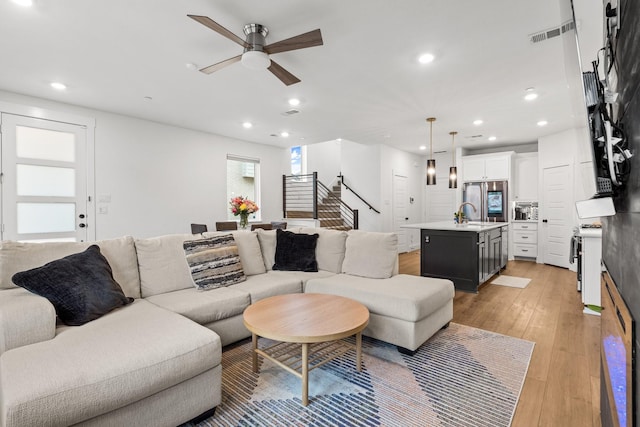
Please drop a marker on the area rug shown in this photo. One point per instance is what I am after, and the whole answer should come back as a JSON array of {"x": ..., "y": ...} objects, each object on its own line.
[
  {"x": 511, "y": 281},
  {"x": 462, "y": 376}
]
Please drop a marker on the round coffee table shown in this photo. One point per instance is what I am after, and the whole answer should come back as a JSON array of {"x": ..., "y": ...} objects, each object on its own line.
[{"x": 309, "y": 328}]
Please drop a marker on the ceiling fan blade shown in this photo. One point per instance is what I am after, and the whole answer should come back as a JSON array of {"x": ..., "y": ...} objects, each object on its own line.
[
  {"x": 285, "y": 77},
  {"x": 210, "y": 23},
  {"x": 310, "y": 39},
  {"x": 215, "y": 67}
]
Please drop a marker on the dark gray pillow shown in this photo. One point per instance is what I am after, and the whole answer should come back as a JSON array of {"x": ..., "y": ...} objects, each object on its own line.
[
  {"x": 80, "y": 286},
  {"x": 295, "y": 251}
]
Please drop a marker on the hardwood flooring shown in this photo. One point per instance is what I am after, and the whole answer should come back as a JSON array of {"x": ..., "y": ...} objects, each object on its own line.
[{"x": 562, "y": 387}]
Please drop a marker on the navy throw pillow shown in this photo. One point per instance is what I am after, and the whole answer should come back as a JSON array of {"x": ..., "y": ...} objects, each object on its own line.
[
  {"x": 295, "y": 251},
  {"x": 81, "y": 286}
]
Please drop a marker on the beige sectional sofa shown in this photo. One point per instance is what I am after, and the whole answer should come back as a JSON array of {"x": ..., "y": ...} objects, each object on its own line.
[{"x": 156, "y": 361}]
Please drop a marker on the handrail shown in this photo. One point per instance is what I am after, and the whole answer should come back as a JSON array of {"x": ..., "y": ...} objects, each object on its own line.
[
  {"x": 304, "y": 196},
  {"x": 341, "y": 181}
]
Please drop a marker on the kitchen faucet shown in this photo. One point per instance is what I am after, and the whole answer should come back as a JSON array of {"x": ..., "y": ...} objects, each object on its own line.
[{"x": 460, "y": 210}]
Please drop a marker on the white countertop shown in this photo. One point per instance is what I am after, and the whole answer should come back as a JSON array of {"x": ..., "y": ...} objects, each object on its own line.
[
  {"x": 451, "y": 226},
  {"x": 590, "y": 232}
]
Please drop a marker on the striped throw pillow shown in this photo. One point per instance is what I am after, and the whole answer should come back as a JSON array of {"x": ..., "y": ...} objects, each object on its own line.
[{"x": 214, "y": 262}]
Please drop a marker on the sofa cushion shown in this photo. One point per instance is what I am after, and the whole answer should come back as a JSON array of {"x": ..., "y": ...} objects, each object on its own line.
[
  {"x": 204, "y": 307},
  {"x": 26, "y": 318},
  {"x": 163, "y": 267},
  {"x": 104, "y": 365},
  {"x": 80, "y": 286},
  {"x": 267, "y": 239},
  {"x": 121, "y": 254},
  {"x": 295, "y": 252},
  {"x": 403, "y": 297},
  {"x": 302, "y": 276},
  {"x": 248, "y": 249},
  {"x": 329, "y": 249},
  {"x": 370, "y": 254},
  {"x": 214, "y": 262},
  {"x": 270, "y": 284}
]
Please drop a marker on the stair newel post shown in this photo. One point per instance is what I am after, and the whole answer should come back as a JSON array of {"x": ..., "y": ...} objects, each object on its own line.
[
  {"x": 315, "y": 195},
  {"x": 284, "y": 196},
  {"x": 355, "y": 219}
]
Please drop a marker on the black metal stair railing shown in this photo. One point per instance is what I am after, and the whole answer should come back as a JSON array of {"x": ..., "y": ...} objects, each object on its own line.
[{"x": 304, "y": 196}]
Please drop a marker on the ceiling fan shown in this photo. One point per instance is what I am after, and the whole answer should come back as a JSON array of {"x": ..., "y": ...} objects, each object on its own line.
[{"x": 256, "y": 53}]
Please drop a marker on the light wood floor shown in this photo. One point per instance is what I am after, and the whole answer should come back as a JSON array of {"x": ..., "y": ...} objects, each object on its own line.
[{"x": 562, "y": 387}]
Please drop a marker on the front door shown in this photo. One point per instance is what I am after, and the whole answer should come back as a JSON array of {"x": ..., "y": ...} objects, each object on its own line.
[
  {"x": 400, "y": 210},
  {"x": 557, "y": 216},
  {"x": 44, "y": 180}
]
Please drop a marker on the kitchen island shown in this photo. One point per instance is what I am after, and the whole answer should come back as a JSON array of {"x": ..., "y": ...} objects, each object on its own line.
[{"x": 467, "y": 254}]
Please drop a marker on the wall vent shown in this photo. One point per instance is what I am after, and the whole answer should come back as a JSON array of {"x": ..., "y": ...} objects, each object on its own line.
[
  {"x": 550, "y": 33},
  {"x": 290, "y": 112}
]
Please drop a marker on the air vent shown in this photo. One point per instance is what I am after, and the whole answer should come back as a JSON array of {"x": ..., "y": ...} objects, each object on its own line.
[
  {"x": 550, "y": 33},
  {"x": 439, "y": 152},
  {"x": 474, "y": 136},
  {"x": 291, "y": 112}
]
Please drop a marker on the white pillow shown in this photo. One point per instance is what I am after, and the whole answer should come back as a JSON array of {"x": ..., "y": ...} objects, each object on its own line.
[
  {"x": 329, "y": 248},
  {"x": 268, "y": 241},
  {"x": 370, "y": 254}
]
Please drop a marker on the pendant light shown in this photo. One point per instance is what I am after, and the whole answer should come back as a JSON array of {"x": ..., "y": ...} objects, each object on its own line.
[
  {"x": 431, "y": 163},
  {"x": 453, "y": 170}
]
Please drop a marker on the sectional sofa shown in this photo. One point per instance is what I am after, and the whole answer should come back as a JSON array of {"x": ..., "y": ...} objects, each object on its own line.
[{"x": 156, "y": 360}]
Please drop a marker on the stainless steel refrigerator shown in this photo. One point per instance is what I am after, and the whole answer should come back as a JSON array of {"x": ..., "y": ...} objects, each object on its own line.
[{"x": 490, "y": 200}]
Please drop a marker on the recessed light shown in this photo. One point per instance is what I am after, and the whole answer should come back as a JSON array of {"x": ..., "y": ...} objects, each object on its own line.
[
  {"x": 530, "y": 96},
  {"x": 423, "y": 147},
  {"x": 492, "y": 138},
  {"x": 294, "y": 102},
  {"x": 339, "y": 139},
  {"x": 284, "y": 134},
  {"x": 478, "y": 122},
  {"x": 24, "y": 3},
  {"x": 542, "y": 123},
  {"x": 247, "y": 125},
  {"x": 191, "y": 66},
  {"x": 426, "y": 58},
  {"x": 58, "y": 86}
]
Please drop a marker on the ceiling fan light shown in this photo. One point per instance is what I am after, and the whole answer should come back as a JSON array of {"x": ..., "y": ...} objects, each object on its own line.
[{"x": 256, "y": 60}]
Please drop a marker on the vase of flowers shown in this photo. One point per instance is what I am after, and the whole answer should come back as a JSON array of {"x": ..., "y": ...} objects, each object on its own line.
[{"x": 242, "y": 207}]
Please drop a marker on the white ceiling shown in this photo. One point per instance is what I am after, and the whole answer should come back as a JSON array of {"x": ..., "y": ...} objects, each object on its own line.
[{"x": 364, "y": 84}]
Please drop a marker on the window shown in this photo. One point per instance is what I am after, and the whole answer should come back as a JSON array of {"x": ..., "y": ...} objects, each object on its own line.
[
  {"x": 243, "y": 179},
  {"x": 298, "y": 162}
]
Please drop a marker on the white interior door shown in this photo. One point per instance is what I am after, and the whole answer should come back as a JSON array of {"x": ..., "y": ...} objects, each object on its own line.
[
  {"x": 557, "y": 197},
  {"x": 400, "y": 210},
  {"x": 44, "y": 180}
]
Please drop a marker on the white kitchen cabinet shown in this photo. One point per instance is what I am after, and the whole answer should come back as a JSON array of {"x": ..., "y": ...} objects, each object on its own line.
[
  {"x": 526, "y": 177},
  {"x": 486, "y": 167},
  {"x": 525, "y": 239}
]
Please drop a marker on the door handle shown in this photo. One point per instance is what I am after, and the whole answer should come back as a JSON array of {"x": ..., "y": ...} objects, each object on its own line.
[
  {"x": 82, "y": 225},
  {"x": 544, "y": 220},
  {"x": 406, "y": 219}
]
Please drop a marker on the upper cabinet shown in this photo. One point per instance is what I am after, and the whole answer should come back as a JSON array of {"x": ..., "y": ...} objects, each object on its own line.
[
  {"x": 526, "y": 177},
  {"x": 486, "y": 167}
]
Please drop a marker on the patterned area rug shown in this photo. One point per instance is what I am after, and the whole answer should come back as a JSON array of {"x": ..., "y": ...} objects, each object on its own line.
[
  {"x": 511, "y": 281},
  {"x": 462, "y": 376}
]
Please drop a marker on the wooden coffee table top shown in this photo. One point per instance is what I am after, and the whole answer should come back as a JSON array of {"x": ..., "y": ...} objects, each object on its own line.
[{"x": 306, "y": 318}]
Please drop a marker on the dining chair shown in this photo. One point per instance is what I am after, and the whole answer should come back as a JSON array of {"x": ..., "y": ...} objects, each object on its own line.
[
  {"x": 226, "y": 225},
  {"x": 278, "y": 225},
  {"x": 263, "y": 226},
  {"x": 198, "y": 228}
]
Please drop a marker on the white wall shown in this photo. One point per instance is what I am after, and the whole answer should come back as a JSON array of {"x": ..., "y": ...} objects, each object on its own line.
[
  {"x": 360, "y": 165},
  {"x": 161, "y": 178},
  {"x": 324, "y": 158}
]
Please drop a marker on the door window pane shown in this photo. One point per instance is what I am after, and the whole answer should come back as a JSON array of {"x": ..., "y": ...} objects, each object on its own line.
[
  {"x": 46, "y": 217},
  {"x": 44, "y": 144},
  {"x": 45, "y": 181}
]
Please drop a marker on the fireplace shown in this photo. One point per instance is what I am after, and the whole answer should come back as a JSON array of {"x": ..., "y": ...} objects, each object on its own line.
[{"x": 617, "y": 357}]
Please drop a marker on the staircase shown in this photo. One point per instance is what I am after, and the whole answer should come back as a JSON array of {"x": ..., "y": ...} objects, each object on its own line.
[{"x": 304, "y": 197}]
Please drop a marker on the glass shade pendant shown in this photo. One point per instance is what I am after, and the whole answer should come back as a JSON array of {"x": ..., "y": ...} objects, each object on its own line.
[
  {"x": 431, "y": 163},
  {"x": 431, "y": 172},
  {"x": 453, "y": 170},
  {"x": 453, "y": 177}
]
